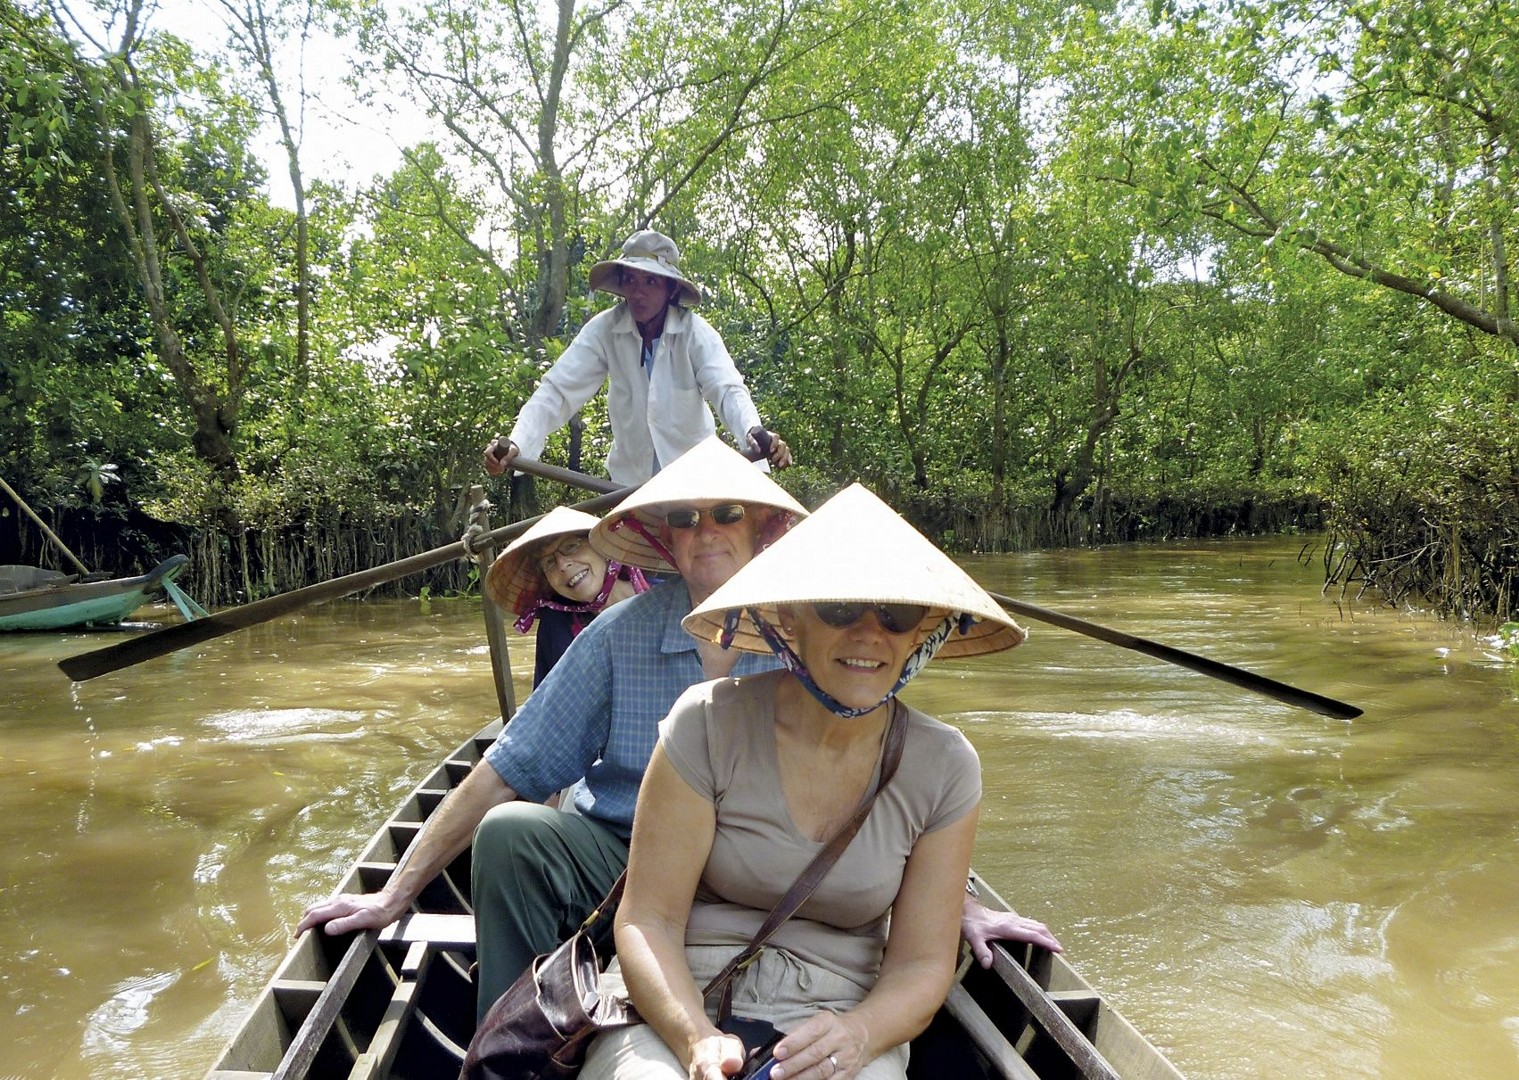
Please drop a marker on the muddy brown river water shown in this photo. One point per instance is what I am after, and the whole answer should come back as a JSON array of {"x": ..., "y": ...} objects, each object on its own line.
[{"x": 1262, "y": 891}]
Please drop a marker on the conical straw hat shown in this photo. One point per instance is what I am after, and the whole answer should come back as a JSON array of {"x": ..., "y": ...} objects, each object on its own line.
[
  {"x": 856, "y": 549},
  {"x": 515, "y": 580},
  {"x": 709, "y": 472}
]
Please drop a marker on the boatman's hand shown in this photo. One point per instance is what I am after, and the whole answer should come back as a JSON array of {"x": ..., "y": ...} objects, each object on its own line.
[
  {"x": 770, "y": 446},
  {"x": 350, "y": 911},
  {"x": 980, "y": 926},
  {"x": 500, "y": 452}
]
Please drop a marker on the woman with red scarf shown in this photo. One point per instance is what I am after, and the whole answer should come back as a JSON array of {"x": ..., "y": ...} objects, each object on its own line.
[{"x": 552, "y": 576}]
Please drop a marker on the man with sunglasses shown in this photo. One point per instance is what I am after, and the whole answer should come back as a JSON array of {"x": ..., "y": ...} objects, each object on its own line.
[
  {"x": 665, "y": 367},
  {"x": 537, "y": 872}
]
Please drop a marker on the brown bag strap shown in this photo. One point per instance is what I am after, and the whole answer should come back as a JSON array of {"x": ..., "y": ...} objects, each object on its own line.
[
  {"x": 608, "y": 902},
  {"x": 817, "y": 870}
]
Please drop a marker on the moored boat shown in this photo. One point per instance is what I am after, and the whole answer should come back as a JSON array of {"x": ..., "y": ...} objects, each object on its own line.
[
  {"x": 400, "y": 1003},
  {"x": 35, "y": 599}
]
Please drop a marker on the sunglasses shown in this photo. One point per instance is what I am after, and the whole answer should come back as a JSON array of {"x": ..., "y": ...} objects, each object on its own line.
[
  {"x": 727, "y": 514},
  {"x": 894, "y": 618}
]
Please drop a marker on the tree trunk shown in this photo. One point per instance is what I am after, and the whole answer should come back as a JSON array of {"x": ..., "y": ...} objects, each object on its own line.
[{"x": 215, "y": 415}]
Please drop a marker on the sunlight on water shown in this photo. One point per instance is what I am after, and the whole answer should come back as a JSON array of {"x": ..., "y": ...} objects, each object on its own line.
[
  {"x": 1263, "y": 891},
  {"x": 109, "y": 1029},
  {"x": 280, "y": 724}
]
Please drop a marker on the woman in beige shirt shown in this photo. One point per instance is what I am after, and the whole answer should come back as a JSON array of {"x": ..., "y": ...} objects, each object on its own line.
[{"x": 753, "y": 776}]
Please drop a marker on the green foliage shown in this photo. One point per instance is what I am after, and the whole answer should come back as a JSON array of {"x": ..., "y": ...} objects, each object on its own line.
[
  {"x": 1424, "y": 495},
  {"x": 95, "y": 475},
  {"x": 1376, "y": 137},
  {"x": 1035, "y": 272}
]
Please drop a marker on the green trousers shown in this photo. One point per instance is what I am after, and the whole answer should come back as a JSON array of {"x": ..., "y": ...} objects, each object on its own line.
[{"x": 536, "y": 873}]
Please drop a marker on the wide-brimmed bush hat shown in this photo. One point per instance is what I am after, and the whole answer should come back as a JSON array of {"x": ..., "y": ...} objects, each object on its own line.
[
  {"x": 515, "y": 580},
  {"x": 651, "y": 253},
  {"x": 711, "y": 472},
  {"x": 854, "y": 549}
]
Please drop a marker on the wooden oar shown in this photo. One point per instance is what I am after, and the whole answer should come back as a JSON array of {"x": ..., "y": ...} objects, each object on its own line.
[
  {"x": 545, "y": 471},
  {"x": 1235, "y": 676},
  {"x": 1248, "y": 680},
  {"x": 182, "y": 636}
]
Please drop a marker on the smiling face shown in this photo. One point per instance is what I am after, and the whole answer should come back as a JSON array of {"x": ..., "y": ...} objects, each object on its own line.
[
  {"x": 711, "y": 552},
  {"x": 856, "y": 665},
  {"x": 572, "y": 568}
]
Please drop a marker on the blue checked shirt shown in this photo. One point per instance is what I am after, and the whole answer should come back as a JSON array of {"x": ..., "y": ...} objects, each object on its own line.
[{"x": 597, "y": 713}]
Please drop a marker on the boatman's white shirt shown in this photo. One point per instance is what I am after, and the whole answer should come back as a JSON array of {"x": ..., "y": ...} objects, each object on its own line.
[{"x": 658, "y": 414}]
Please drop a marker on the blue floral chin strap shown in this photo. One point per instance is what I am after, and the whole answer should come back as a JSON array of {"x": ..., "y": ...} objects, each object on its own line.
[{"x": 793, "y": 663}]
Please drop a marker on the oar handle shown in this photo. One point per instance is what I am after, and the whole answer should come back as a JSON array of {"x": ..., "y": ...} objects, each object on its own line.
[
  {"x": 759, "y": 452},
  {"x": 762, "y": 441},
  {"x": 1248, "y": 680},
  {"x": 564, "y": 476}
]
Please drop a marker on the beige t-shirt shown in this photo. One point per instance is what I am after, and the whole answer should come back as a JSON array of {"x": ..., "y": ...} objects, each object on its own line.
[{"x": 720, "y": 736}]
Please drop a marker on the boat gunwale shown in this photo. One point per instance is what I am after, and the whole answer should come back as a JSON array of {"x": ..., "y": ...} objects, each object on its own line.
[{"x": 1115, "y": 1043}]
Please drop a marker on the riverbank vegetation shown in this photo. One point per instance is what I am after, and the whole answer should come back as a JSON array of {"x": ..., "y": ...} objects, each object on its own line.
[{"x": 1038, "y": 273}]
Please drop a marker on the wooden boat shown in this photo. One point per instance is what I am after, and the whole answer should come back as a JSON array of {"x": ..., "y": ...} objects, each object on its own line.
[
  {"x": 399, "y": 1003},
  {"x": 36, "y": 599}
]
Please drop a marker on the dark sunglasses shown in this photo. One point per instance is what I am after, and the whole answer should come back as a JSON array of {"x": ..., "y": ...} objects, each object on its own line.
[
  {"x": 894, "y": 618},
  {"x": 727, "y": 514}
]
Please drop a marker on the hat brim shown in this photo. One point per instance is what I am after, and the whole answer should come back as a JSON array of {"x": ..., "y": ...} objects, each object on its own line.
[
  {"x": 856, "y": 549},
  {"x": 606, "y": 277},
  {"x": 710, "y": 472},
  {"x": 514, "y": 580}
]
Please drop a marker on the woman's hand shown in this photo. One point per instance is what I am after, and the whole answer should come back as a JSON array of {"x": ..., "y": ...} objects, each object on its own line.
[
  {"x": 980, "y": 926},
  {"x": 716, "y": 1057},
  {"x": 827, "y": 1045}
]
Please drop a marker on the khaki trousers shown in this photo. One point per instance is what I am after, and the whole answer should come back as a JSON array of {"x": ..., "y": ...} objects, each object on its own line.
[
  {"x": 535, "y": 874},
  {"x": 777, "y": 987}
]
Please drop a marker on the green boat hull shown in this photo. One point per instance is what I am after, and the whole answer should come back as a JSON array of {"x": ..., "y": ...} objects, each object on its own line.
[{"x": 71, "y": 605}]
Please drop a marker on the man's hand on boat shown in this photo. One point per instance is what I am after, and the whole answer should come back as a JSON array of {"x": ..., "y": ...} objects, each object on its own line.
[
  {"x": 352, "y": 911},
  {"x": 980, "y": 926}
]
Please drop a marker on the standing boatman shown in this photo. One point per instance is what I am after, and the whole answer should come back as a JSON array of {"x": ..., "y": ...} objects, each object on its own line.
[{"x": 666, "y": 367}]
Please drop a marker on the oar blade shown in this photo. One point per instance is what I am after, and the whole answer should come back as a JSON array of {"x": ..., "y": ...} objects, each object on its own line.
[
  {"x": 1235, "y": 676},
  {"x": 135, "y": 650},
  {"x": 169, "y": 639}
]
